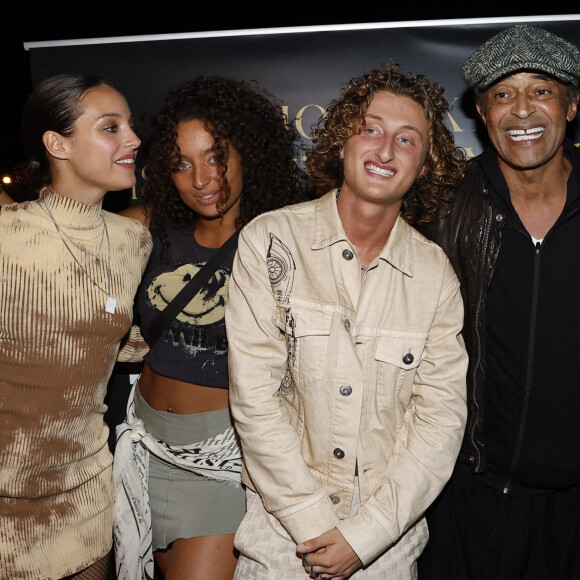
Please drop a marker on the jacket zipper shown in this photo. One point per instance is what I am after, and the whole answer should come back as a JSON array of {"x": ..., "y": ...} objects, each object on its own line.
[
  {"x": 531, "y": 342},
  {"x": 476, "y": 326},
  {"x": 529, "y": 367}
]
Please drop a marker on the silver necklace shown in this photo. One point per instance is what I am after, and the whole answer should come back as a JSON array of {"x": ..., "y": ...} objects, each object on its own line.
[
  {"x": 111, "y": 304},
  {"x": 96, "y": 256},
  {"x": 61, "y": 232}
]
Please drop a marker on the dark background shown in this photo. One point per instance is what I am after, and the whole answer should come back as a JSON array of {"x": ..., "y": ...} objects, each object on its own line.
[{"x": 28, "y": 24}]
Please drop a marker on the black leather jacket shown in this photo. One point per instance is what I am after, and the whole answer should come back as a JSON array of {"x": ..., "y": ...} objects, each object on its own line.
[{"x": 471, "y": 235}]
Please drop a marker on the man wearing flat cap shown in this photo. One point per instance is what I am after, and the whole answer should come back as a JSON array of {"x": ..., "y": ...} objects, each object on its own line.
[{"x": 511, "y": 510}]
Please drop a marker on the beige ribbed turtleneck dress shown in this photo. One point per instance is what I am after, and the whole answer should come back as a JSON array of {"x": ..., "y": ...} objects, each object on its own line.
[{"x": 58, "y": 346}]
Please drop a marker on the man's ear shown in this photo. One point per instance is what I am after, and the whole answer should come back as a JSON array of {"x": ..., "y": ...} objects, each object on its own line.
[
  {"x": 55, "y": 144},
  {"x": 481, "y": 114},
  {"x": 572, "y": 110}
]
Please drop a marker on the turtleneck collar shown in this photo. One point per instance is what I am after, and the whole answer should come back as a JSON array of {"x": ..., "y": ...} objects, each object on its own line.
[{"x": 70, "y": 213}]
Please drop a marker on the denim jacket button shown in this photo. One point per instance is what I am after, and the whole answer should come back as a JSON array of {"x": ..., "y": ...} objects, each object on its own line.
[
  {"x": 338, "y": 453},
  {"x": 345, "y": 390},
  {"x": 408, "y": 358},
  {"x": 347, "y": 255},
  {"x": 334, "y": 499}
]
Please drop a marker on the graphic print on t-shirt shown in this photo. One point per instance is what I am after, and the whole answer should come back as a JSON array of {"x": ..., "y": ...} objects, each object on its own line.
[{"x": 204, "y": 311}]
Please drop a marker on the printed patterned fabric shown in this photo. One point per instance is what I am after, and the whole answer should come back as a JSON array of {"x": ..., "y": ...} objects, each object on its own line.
[
  {"x": 218, "y": 457},
  {"x": 519, "y": 48},
  {"x": 268, "y": 553},
  {"x": 59, "y": 338}
]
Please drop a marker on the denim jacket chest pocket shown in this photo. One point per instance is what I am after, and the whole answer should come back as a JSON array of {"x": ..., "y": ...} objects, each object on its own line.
[
  {"x": 307, "y": 331},
  {"x": 397, "y": 359}
]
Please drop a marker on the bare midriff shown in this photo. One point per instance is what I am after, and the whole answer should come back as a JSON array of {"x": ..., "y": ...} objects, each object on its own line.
[{"x": 175, "y": 396}]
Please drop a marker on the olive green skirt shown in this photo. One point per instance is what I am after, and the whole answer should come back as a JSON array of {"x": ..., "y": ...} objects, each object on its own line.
[{"x": 184, "y": 504}]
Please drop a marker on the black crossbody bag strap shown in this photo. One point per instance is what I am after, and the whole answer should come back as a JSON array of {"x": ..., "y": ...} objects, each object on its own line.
[{"x": 186, "y": 294}]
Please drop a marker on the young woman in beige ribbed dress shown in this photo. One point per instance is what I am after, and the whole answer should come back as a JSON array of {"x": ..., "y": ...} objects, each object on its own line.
[{"x": 68, "y": 274}]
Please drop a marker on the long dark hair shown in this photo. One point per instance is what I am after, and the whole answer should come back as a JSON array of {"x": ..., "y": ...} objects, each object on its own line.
[{"x": 55, "y": 104}]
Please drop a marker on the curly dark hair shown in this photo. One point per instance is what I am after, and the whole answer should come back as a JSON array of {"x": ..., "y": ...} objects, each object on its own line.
[
  {"x": 344, "y": 118},
  {"x": 236, "y": 112}
]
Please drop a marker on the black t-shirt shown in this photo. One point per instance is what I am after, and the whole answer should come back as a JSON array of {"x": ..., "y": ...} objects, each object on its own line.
[{"x": 194, "y": 348}]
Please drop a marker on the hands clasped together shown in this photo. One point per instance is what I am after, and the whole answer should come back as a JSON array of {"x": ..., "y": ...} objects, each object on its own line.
[{"x": 329, "y": 556}]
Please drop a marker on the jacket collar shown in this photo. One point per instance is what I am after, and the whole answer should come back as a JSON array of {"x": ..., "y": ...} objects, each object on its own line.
[
  {"x": 489, "y": 161},
  {"x": 572, "y": 153},
  {"x": 328, "y": 230}
]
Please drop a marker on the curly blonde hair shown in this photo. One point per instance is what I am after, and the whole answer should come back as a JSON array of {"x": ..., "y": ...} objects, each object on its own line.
[{"x": 345, "y": 117}]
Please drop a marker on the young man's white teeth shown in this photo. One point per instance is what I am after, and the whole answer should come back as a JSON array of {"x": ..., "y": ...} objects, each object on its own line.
[{"x": 374, "y": 169}]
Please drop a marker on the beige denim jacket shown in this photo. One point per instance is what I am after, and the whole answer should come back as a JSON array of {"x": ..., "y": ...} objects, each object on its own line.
[{"x": 330, "y": 369}]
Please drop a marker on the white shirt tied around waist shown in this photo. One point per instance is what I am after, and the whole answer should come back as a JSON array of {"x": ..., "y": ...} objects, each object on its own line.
[{"x": 217, "y": 457}]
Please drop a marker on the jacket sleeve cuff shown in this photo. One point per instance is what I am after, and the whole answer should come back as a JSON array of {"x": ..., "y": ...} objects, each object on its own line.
[
  {"x": 366, "y": 536},
  {"x": 133, "y": 348},
  {"x": 311, "y": 521}
]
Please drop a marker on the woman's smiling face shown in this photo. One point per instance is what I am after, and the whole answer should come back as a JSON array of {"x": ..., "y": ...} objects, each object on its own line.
[{"x": 197, "y": 178}]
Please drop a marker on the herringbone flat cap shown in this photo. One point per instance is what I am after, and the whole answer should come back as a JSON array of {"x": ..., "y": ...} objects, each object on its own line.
[{"x": 522, "y": 47}]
